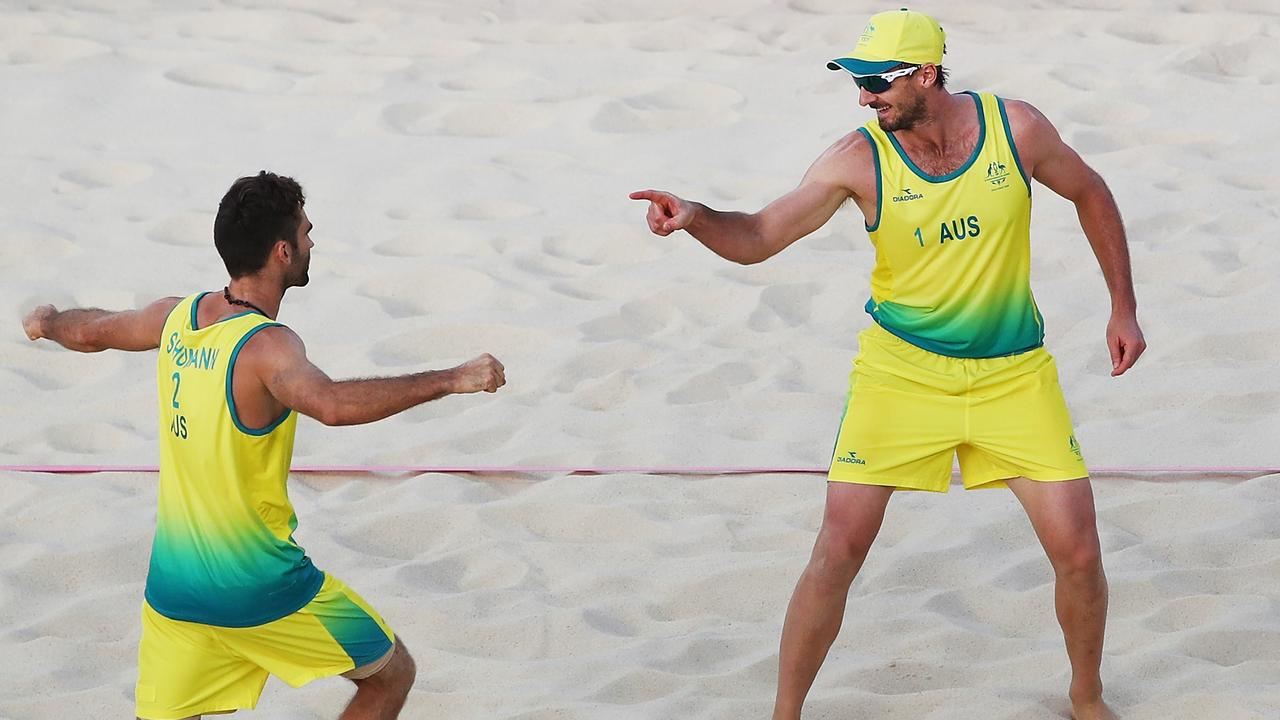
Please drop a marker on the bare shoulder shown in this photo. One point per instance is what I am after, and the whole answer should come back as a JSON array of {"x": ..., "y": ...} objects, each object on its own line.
[
  {"x": 1026, "y": 121},
  {"x": 163, "y": 306},
  {"x": 273, "y": 345},
  {"x": 1033, "y": 133},
  {"x": 854, "y": 149},
  {"x": 849, "y": 162}
]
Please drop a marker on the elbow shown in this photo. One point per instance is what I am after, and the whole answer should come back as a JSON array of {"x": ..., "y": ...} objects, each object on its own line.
[{"x": 328, "y": 413}]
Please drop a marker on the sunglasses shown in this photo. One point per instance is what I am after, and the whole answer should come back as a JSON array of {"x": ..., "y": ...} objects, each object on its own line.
[{"x": 876, "y": 84}]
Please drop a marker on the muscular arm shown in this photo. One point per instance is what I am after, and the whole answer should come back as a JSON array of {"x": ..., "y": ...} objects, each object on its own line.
[
  {"x": 94, "y": 330},
  {"x": 278, "y": 359},
  {"x": 1056, "y": 165},
  {"x": 840, "y": 173}
]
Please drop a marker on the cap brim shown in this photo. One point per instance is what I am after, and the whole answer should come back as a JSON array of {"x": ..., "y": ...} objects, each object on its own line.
[{"x": 862, "y": 67}]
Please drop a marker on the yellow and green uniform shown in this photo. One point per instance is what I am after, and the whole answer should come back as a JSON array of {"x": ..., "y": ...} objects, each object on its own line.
[
  {"x": 953, "y": 252},
  {"x": 230, "y": 597},
  {"x": 223, "y": 552},
  {"x": 954, "y": 366}
]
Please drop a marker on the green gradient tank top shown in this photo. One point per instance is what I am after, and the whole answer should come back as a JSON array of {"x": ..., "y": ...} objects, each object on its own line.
[
  {"x": 953, "y": 252},
  {"x": 223, "y": 552}
]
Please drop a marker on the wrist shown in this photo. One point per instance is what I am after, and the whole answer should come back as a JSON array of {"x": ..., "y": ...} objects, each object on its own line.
[
  {"x": 1124, "y": 309},
  {"x": 697, "y": 212}
]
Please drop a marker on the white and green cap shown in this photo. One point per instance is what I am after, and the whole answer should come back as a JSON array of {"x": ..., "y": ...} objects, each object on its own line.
[{"x": 891, "y": 39}]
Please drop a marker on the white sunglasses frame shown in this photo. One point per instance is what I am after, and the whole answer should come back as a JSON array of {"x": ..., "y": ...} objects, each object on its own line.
[{"x": 890, "y": 76}]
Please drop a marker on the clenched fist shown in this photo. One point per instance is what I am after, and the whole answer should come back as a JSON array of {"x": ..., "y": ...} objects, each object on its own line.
[
  {"x": 33, "y": 323},
  {"x": 483, "y": 373}
]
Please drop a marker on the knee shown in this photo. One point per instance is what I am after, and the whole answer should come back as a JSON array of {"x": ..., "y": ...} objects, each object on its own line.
[
  {"x": 1081, "y": 559},
  {"x": 406, "y": 668},
  {"x": 838, "y": 554}
]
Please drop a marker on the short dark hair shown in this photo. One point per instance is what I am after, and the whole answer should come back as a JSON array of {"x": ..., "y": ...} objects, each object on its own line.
[
  {"x": 942, "y": 77},
  {"x": 258, "y": 211}
]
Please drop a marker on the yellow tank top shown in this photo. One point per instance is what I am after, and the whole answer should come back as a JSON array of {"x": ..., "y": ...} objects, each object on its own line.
[
  {"x": 223, "y": 552},
  {"x": 953, "y": 252}
]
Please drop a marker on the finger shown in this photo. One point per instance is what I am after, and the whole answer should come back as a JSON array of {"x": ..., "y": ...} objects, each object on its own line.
[
  {"x": 1113, "y": 347},
  {"x": 1124, "y": 360},
  {"x": 645, "y": 195},
  {"x": 1131, "y": 352}
]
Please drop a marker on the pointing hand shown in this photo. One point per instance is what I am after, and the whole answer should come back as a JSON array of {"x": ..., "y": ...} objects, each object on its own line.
[{"x": 667, "y": 213}]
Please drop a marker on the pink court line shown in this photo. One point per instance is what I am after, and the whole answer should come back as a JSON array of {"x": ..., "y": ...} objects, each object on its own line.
[{"x": 602, "y": 470}]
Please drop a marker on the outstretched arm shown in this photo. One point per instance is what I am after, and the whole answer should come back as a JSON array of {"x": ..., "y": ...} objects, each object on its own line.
[
  {"x": 94, "y": 330},
  {"x": 1055, "y": 164},
  {"x": 749, "y": 238},
  {"x": 277, "y": 357}
]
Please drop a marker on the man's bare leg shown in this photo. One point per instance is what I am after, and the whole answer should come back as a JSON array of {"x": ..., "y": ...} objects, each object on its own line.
[
  {"x": 849, "y": 526},
  {"x": 1062, "y": 514},
  {"x": 381, "y": 695}
]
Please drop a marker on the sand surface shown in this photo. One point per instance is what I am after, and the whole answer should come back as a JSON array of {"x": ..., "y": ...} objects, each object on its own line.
[{"x": 467, "y": 166}]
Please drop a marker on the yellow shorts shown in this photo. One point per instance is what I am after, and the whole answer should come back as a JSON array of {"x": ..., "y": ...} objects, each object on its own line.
[
  {"x": 911, "y": 411},
  {"x": 187, "y": 669}
]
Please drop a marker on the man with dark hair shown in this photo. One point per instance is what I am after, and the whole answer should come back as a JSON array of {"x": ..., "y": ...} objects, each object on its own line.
[
  {"x": 954, "y": 364},
  {"x": 230, "y": 597},
  {"x": 254, "y": 213}
]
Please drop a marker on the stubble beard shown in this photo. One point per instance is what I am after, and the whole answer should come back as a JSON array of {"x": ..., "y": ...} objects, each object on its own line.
[{"x": 910, "y": 114}]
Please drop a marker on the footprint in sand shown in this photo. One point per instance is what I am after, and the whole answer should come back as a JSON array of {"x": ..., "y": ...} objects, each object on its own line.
[
  {"x": 225, "y": 76},
  {"x": 1232, "y": 60},
  {"x": 456, "y": 574},
  {"x": 33, "y": 49},
  {"x": 1100, "y": 113},
  {"x": 606, "y": 394},
  {"x": 428, "y": 290},
  {"x": 430, "y": 345},
  {"x": 712, "y": 386},
  {"x": 783, "y": 306},
  {"x": 475, "y": 120},
  {"x": 602, "y": 244},
  {"x": 820, "y": 7},
  {"x": 486, "y": 78},
  {"x": 90, "y": 437},
  {"x": 498, "y": 210},
  {"x": 427, "y": 242},
  {"x": 595, "y": 363},
  {"x": 1077, "y": 78},
  {"x": 665, "y": 38},
  {"x": 1229, "y": 648},
  {"x": 636, "y": 319},
  {"x": 682, "y": 105},
  {"x": 534, "y": 160},
  {"x": 190, "y": 229},
  {"x": 1251, "y": 183},
  {"x": 20, "y": 244},
  {"x": 1098, "y": 142},
  {"x": 92, "y": 177},
  {"x": 1167, "y": 32}
]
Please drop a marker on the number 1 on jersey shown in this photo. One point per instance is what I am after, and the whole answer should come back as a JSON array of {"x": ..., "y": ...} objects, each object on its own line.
[{"x": 918, "y": 237}]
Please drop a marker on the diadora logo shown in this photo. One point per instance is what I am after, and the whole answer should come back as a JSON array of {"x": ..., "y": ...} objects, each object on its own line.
[
  {"x": 1075, "y": 446},
  {"x": 852, "y": 459},
  {"x": 997, "y": 174},
  {"x": 867, "y": 33},
  {"x": 907, "y": 196}
]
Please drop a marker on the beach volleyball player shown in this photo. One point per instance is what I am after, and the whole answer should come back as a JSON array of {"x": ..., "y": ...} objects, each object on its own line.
[
  {"x": 954, "y": 363},
  {"x": 230, "y": 597}
]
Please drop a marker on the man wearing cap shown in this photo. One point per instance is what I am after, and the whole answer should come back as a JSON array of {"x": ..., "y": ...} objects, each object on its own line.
[{"x": 953, "y": 364}]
